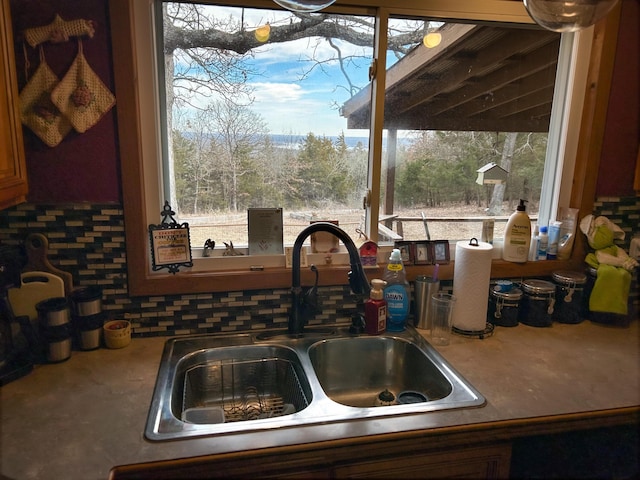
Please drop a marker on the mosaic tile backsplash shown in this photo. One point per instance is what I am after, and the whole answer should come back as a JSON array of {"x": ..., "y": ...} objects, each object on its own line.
[{"x": 88, "y": 240}]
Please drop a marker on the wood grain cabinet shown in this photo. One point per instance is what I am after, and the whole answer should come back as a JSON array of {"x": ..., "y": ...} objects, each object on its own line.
[
  {"x": 475, "y": 462},
  {"x": 13, "y": 170},
  {"x": 373, "y": 460}
]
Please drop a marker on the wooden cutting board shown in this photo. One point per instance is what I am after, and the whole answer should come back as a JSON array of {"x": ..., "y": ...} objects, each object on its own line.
[
  {"x": 37, "y": 246},
  {"x": 35, "y": 287}
]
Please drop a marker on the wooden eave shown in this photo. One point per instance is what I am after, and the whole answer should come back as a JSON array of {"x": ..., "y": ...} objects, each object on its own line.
[{"x": 480, "y": 78}]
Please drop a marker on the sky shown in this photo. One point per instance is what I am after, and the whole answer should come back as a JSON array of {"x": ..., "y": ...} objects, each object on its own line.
[{"x": 289, "y": 105}]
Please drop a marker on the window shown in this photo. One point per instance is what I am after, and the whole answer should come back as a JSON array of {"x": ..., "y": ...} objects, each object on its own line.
[
  {"x": 235, "y": 273},
  {"x": 264, "y": 110}
]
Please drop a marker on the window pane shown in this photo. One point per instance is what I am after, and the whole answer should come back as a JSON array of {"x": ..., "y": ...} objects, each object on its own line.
[
  {"x": 253, "y": 106},
  {"x": 463, "y": 98}
]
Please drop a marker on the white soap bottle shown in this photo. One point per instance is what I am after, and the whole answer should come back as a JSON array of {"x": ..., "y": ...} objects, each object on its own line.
[{"x": 517, "y": 236}]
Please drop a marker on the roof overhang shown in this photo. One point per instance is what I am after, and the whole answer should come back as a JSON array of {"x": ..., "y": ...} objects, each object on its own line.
[{"x": 480, "y": 78}]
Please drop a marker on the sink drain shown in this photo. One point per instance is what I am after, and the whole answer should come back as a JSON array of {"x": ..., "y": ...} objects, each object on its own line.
[
  {"x": 385, "y": 398},
  {"x": 412, "y": 397}
]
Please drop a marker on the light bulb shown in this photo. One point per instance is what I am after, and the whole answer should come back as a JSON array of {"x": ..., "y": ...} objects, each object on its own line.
[
  {"x": 304, "y": 6},
  {"x": 568, "y": 15},
  {"x": 262, "y": 33},
  {"x": 432, "y": 40}
]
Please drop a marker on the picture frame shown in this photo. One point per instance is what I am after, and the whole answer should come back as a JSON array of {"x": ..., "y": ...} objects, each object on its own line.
[
  {"x": 406, "y": 251},
  {"x": 423, "y": 254},
  {"x": 440, "y": 251}
]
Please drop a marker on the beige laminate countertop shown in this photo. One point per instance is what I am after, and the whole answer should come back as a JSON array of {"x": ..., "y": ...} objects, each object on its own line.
[{"x": 78, "y": 419}]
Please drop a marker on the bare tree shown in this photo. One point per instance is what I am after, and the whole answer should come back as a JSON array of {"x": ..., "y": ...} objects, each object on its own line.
[
  {"x": 240, "y": 132},
  {"x": 204, "y": 55},
  {"x": 508, "y": 149}
]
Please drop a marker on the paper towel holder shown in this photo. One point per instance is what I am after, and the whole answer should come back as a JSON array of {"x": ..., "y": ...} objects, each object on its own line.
[
  {"x": 481, "y": 334},
  {"x": 488, "y": 329}
]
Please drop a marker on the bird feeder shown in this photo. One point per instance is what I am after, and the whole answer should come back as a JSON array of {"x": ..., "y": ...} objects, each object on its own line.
[{"x": 491, "y": 174}]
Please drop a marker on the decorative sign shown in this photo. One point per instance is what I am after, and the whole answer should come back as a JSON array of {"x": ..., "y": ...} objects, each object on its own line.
[
  {"x": 265, "y": 231},
  {"x": 170, "y": 243}
]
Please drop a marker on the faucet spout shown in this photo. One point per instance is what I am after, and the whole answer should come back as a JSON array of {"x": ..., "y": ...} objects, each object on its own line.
[{"x": 357, "y": 278}]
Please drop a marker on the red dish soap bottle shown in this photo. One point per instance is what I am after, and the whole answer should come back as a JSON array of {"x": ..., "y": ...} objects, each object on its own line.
[{"x": 375, "y": 309}]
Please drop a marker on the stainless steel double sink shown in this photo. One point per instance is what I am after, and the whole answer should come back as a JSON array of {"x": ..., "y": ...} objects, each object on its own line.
[{"x": 219, "y": 384}]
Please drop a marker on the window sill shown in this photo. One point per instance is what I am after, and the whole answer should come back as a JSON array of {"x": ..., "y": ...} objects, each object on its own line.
[{"x": 280, "y": 277}]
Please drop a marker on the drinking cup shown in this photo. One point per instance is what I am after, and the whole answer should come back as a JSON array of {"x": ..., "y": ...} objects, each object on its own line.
[{"x": 441, "y": 308}]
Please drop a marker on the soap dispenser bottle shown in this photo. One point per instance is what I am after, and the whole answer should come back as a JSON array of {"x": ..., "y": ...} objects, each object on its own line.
[
  {"x": 375, "y": 309},
  {"x": 517, "y": 236},
  {"x": 396, "y": 293}
]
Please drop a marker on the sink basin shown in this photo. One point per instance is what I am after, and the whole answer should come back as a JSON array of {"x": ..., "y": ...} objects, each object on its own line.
[
  {"x": 355, "y": 371},
  {"x": 222, "y": 384},
  {"x": 230, "y": 384}
]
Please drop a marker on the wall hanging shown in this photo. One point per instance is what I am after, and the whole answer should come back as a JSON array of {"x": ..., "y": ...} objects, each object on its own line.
[
  {"x": 37, "y": 111},
  {"x": 51, "y": 107},
  {"x": 81, "y": 96}
]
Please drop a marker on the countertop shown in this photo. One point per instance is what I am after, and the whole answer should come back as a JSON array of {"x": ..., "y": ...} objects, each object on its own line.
[{"x": 80, "y": 418}]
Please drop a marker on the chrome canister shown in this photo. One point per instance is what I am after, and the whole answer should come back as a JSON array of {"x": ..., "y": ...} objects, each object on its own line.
[
  {"x": 54, "y": 316},
  {"x": 569, "y": 306},
  {"x": 88, "y": 317},
  {"x": 86, "y": 301},
  {"x": 504, "y": 306},
  {"x": 538, "y": 303}
]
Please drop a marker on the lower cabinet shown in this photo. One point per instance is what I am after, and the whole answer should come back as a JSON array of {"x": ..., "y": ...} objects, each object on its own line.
[
  {"x": 357, "y": 461},
  {"x": 479, "y": 462}
]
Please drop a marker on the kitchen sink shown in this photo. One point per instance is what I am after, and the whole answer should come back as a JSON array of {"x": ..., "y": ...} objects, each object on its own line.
[
  {"x": 222, "y": 384},
  {"x": 377, "y": 371}
]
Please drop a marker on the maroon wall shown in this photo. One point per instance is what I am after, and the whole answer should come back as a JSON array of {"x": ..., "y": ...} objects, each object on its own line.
[
  {"x": 622, "y": 132},
  {"x": 83, "y": 167}
]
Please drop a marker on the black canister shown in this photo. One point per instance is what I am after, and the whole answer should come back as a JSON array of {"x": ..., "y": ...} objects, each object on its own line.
[
  {"x": 538, "y": 303},
  {"x": 569, "y": 306},
  {"x": 504, "y": 306}
]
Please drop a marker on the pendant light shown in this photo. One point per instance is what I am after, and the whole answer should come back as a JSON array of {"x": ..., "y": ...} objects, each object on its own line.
[
  {"x": 304, "y": 6},
  {"x": 432, "y": 39},
  {"x": 568, "y": 15}
]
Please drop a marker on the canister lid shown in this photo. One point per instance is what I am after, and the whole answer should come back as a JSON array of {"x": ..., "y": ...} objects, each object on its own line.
[
  {"x": 513, "y": 294},
  {"x": 86, "y": 294},
  {"x": 54, "y": 304},
  {"x": 536, "y": 286},
  {"x": 567, "y": 276}
]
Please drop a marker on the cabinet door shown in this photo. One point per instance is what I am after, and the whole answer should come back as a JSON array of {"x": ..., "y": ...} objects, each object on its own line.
[
  {"x": 13, "y": 170},
  {"x": 479, "y": 462}
]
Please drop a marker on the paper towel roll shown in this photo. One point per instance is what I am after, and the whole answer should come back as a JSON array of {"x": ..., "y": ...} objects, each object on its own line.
[{"x": 471, "y": 280}]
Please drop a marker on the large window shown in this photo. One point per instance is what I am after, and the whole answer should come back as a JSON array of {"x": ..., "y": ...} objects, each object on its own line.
[
  {"x": 321, "y": 115},
  {"x": 268, "y": 109}
]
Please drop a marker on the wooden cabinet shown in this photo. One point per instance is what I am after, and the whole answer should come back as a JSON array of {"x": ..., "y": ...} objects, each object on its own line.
[
  {"x": 481, "y": 462},
  {"x": 13, "y": 170},
  {"x": 417, "y": 458}
]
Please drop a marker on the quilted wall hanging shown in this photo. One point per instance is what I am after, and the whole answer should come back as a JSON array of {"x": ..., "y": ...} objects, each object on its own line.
[{"x": 52, "y": 107}]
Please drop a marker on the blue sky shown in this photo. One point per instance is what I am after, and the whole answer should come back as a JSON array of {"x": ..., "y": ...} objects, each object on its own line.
[{"x": 290, "y": 105}]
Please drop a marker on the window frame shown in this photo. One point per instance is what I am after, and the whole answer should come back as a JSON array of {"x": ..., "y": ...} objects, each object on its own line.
[{"x": 138, "y": 129}]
